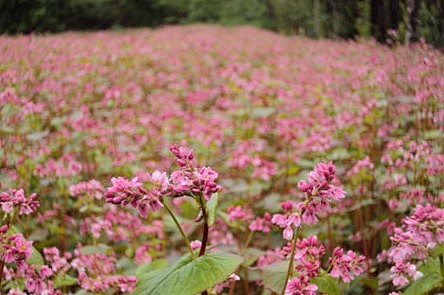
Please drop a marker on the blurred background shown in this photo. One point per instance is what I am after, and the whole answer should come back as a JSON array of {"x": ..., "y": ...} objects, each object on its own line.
[{"x": 388, "y": 21}]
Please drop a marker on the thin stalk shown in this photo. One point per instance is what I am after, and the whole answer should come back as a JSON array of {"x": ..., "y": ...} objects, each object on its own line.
[
  {"x": 204, "y": 239},
  {"x": 441, "y": 264},
  {"x": 205, "y": 233},
  {"x": 247, "y": 243},
  {"x": 2, "y": 265},
  {"x": 330, "y": 239},
  {"x": 290, "y": 265},
  {"x": 182, "y": 232}
]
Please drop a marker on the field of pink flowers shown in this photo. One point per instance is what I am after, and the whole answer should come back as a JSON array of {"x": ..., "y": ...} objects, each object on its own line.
[{"x": 208, "y": 160}]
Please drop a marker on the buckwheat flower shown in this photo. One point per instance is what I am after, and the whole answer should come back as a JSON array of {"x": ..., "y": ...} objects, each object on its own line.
[
  {"x": 308, "y": 255},
  {"x": 148, "y": 200},
  {"x": 142, "y": 254},
  {"x": 300, "y": 286},
  {"x": 239, "y": 213},
  {"x": 159, "y": 180},
  {"x": 195, "y": 244},
  {"x": 184, "y": 156},
  {"x": 123, "y": 188},
  {"x": 16, "y": 291},
  {"x": 402, "y": 272},
  {"x": 16, "y": 199},
  {"x": 346, "y": 266},
  {"x": 261, "y": 224},
  {"x": 15, "y": 248},
  {"x": 321, "y": 190},
  {"x": 219, "y": 287},
  {"x": 91, "y": 189},
  {"x": 287, "y": 222}
]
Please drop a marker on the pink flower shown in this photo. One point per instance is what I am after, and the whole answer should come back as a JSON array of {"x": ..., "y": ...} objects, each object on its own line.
[
  {"x": 300, "y": 286},
  {"x": 261, "y": 224},
  {"x": 195, "y": 244},
  {"x": 346, "y": 266},
  {"x": 16, "y": 199},
  {"x": 287, "y": 221}
]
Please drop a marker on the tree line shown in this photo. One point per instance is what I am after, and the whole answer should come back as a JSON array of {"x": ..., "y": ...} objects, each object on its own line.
[{"x": 390, "y": 21}]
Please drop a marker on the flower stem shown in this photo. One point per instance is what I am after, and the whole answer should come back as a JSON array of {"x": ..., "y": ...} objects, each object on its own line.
[
  {"x": 182, "y": 232},
  {"x": 203, "y": 246},
  {"x": 290, "y": 265},
  {"x": 441, "y": 264},
  {"x": 2, "y": 265},
  {"x": 204, "y": 238}
]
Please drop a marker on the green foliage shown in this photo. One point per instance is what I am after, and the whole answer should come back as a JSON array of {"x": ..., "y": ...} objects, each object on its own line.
[
  {"x": 430, "y": 280},
  {"x": 211, "y": 209},
  {"x": 363, "y": 21},
  {"x": 187, "y": 276},
  {"x": 273, "y": 275},
  {"x": 313, "y": 18},
  {"x": 326, "y": 284},
  {"x": 64, "y": 281}
]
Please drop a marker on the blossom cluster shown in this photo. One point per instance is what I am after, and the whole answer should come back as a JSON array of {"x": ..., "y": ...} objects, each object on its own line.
[
  {"x": 14, "y": 248},
  {"x": 16, "y": 199},
  {"x": 187, "y": 181},
  {"x": 418, "y": 235}
]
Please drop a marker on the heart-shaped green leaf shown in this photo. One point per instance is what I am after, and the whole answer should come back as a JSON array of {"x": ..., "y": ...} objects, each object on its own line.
[{"x": 187, "y": 276}]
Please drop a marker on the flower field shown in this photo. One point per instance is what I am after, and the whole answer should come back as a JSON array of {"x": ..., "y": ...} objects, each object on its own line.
[{"x": 208, "y": 160}]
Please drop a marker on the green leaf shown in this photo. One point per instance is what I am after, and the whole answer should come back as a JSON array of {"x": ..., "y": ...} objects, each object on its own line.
[
  {"x": 273, "y": 275},
  {"x": 187, "y": 276},
  {"x": 35, "y": 258},
  {"x": 64, "y": 281},
  {"x": 147, "y": 267},
  {"x": 326, "y": 284},
  {"x": 430, "y": 280},
  {"x": 211, "y": 208},
  {"x": 251, "y": 255},
  {"x": 437, "y": 250}
]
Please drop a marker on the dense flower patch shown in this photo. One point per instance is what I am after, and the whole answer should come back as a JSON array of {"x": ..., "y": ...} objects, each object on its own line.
[{"x": 212, "y": 160}]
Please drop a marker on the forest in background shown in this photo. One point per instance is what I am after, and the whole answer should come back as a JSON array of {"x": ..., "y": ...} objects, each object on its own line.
[{"x": 388, "y": 21}]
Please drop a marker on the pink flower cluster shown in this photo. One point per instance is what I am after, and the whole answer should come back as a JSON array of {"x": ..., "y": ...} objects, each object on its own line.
[
  {"x": 37, "y": 280},
  {"x": 191, "y": 180},
  {"x": 238, "y": 213},
  {"x": 307, "y": 261},
  {"x": 287, "y": 220},
  {"x": 262, "y": 224},
  {"x": 321, "y": 190},
  {"x": 419, "y": 233},
  {"x": 188, "y": 181},
  {"x": 346, "y": 266},
  {"x": 92, "y": 189},
  {"x": 300, "y": 286},
  {"x": 95, "y": 273},
  {"x": 124, "y": 192},
  {"x": 16, "y": 199},
  {"x": 14, "y": 248}
]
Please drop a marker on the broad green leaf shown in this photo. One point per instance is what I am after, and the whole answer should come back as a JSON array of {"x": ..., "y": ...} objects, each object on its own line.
[
  {"x": 147, "y": 267},
  {"x": 430, "y": 280},
  {"x": 273, "y": 275},
  {"x": 251, "y": 255},
  {"x": 64, "y": 281},
  {"x": 211, "y": 208},
  {"x": 35, "y": 258},
  {"x": 187, "y": 276},
  {"x": 326, "y": 284}
]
